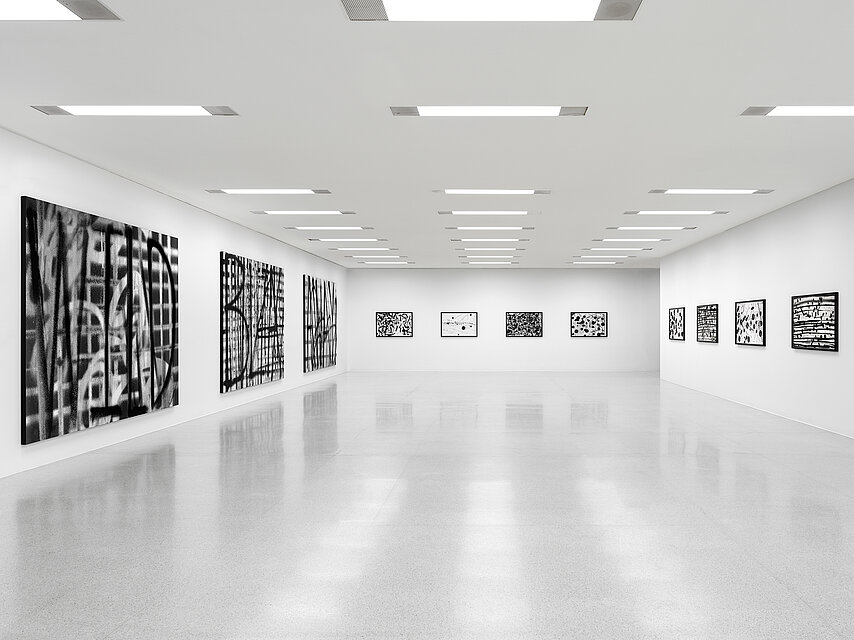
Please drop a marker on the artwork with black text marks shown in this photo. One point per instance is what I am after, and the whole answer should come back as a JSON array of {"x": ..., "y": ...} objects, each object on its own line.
[
  {"x": 524, "y": 324},
  {"x": 676, "y": 323},
  {"x": 750, "y": 323},
  {"x": 458, "y": 324},
  {"x": 99, "y": 321},
  {"x": 815, "y": 322},
  {"x": 707, "y": 323},
  {"x": 588, "y": 324},
  {"x": 394, "y": 324},
  {"x": 320, "y": 324},
  {"x": 252, "y": 322}
]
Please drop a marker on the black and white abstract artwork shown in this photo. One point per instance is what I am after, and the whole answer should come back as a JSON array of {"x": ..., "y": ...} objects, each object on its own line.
[
  {"x": 750, "y": 323},
  {"x": 252, "y": 322},
  {"x": 815, "y": 322},
  {"x": 524, "y": 324},
  {"x": 394, "y": 324},
  {"x": 707, "y": 323},
  {"x": 99, "y": 321},
  {"x": 676, "y": 324},
  {"x": 588, "y": 324},
  {"x": 458, "y": 324},
  {"x": 320, "y": 324}
]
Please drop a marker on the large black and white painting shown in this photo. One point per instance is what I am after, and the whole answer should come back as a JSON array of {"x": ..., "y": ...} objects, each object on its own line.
[
  {"x": 707, "y": 323},
  {"x": 320, "y": 324},
  {"x": 524, "y": 324},
  {"x": 99, "y": 321},
  {"x": 458, "y": 324},
  {"x": 815, "y": 322},
  {"x": 394, "y": 324},
  {"x": 252, "y": 322},
  {"x": 750, "y": 323},
  {"x": 676, "y": 324},
  {"x": 588, "y": 324}
]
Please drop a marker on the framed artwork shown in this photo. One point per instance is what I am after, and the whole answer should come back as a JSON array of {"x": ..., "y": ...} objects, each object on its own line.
[
  {"x": 99, "y": 340},
  {"x": 707, "y": 323},
  {"x": 319, "y": 325},
  {"x": 252, "y": 322},
  {"x": 458, "y": 324},
  {"x": 676, "y": 324},
  {"x": 394, "y": 324},
  {"x": 524, "y": 324},
  {"x": 588, "y": 324},
  {"x": 815, "y": 322},
  {"x": 750, "y": 323}
]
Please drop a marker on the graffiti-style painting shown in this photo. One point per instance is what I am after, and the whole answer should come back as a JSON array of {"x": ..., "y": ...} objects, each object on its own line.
[
  {"x": 524, "y": 324},
  {"x": 750, "y": 323},
  {"x": 394, "y": 324},
  {"x": 320, "y": 324}
]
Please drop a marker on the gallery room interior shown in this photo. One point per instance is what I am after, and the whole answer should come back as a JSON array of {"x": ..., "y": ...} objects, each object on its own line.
[{"x": 434, "y": 319}]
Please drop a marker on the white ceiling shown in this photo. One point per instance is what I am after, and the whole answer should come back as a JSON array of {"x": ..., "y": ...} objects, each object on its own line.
[{"x": 313, "y": 91}]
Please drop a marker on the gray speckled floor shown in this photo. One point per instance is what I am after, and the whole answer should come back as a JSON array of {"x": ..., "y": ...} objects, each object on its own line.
[{"x": 443, "y": 505}]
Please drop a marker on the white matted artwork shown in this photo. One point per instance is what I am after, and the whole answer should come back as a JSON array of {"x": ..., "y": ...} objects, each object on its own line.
[{"x": 459, "y": 324}]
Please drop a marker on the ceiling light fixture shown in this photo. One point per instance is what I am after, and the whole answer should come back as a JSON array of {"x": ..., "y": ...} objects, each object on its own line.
[
  {"x": 484, "y": 213},
  {"x": 35, "y": 10},
  {"x": 386, "y": 263},
  {"x": 673, "y": 213},
  {"x": 329, "y": 228},
  {"x": 492, "y": 262},
  {"x": 383, "y": 257},
  {"x": 491, "y": 10},
  {"x": 653, "y": 228},
  {"x": 488, "y": 257},
  {"x": 363, "y": 249},
  {"x": 594, "y": 262},
  {"x": 307, "y": 213},
  {"x": 634, "y": 240},
  {"x": 489, "y": 111},
  {"x": 617, "y": 249},
  {"x": 801, "y": 111},
  {"x": 134, "y": 110},
  {"x": 276, "y": 192},
  {"x": 598, "y": 257},
  {"x": 491, "y": 249},
  {"x": 346, "y": 240},
  {"x": 488, "y": 228},
  {"x": 712, "y": 192},
  {"x": 496, "y": 192}
]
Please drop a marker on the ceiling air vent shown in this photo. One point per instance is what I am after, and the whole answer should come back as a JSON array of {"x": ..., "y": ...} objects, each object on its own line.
[
  {"x": 89, "y": 10},
  {"x": 365, "y": 10}
]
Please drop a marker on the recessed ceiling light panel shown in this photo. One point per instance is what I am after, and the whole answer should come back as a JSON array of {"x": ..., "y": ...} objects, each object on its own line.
[
  {"x": 673, "y": 213},
  {"x": 54, "y": 10},
  {"x": 801, "y": 111},
  {"x": 496, "y": 192},
  {"x": 489, "y": 111},
  {"x": 712, "y": 192},
  {"x": 484, "y": 213},
  {"x": 134, "y": 110},
  {"x": 490, "y": 10}
]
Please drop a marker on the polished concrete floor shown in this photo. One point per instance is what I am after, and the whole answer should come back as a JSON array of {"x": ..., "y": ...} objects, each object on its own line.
[{"x": 482, "y": 506}]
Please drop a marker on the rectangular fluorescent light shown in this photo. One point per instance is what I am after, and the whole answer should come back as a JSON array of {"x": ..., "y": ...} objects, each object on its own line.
[
  {"x": 384, "y": 257},
  {"x": 135, "y": 110},
  {"x": 490, "y": 240},
  {"x": 598, "y": 257},
  {"x": 345, "y": 239},
  {"x": 385, "y": 263},
  {"x": 675, "y": 213},
  {"x": 362, "y": 249},
  {"x": 711, "y": 192},
  {"x": 491, "y": 10},
  {"x": 811, "y": 112},
  {"x": 632, "y": 239},
  {"x": 652, "y": 228},
  {"x": 329, "y": 228},
  {"x": 491, "y": 262},
  {"x": 489, "y": 213},
  {"x": 274, "y": 192},
  {"x": 487, "y": 228},
  {"x": 35, "y": 10},
  {"x": 594, "y": 262},
  {"x": 304, "y": 213},
  {"x": 490, "y": 192},
  {"x": 616, "y": 249},
  {"x": 488, "y": 257},
  {"x": 491, "y": 111},
  {"x": 490, "y": 249}
]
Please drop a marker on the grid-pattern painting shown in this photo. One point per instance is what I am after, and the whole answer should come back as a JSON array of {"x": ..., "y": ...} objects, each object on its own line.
[
  {"x": 676, "y": 324},
  {"x": 394, "y": 324},
  {"x": 524, "y": 324},
  {"x": 588, "y": 324},
  {"x": 100, "y": 321},
  {"x": 815, "y": 322},
  {"x": 458, "y": 324},
  {"x": 320, "y": 324},
  {"x": 750, "y": 323},
  {"x": 707, "y": 323},
  {"x": 252, "y": 322}
]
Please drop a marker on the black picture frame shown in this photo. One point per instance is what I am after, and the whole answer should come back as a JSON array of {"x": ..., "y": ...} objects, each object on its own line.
[
  {"x": 708, "y": 332},
  {"x": 675, "y": 324},
  {"x": 830, "y": 303},
  {"x": 739, "y": 333},
  {"x": 533, "y": 317},
  {"x": 403, "y": 319},
  {"x": 596, "y": 314},
  {"x": 442, "y": 333}
]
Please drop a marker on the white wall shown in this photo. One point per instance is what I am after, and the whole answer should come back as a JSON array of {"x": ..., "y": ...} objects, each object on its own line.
[
  {"x": 34, "y": 170},
  {"x": 630, "y": 297},
  {"x": 803, "y": 248}
]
